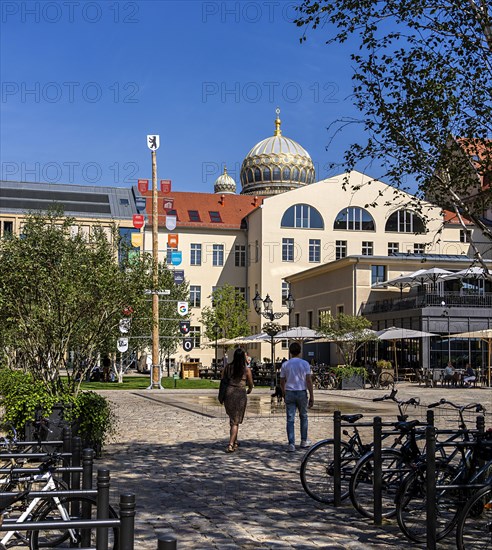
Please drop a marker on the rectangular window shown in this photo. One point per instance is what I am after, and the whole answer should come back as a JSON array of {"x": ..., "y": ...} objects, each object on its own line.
[
  {"x": 419, "y": 248},
  {"x": 367, "y": 248},
  {"x": 284, "y": 343},
  {"x": 296, "y": 319},
  {"x": 195, "y": 254},
  {"x": 215, "y": 217},
  {"x": 194, "y": 215},
  {"x": 257, "y": 252},
  {"x": 218, "y": 255},
  {"x": 324, "y": 316},
  {"x": 240, "y": 255},
  {"x": 285, "y": 292},
  {"x": 310, "y": 319},
  {"x": 339, "y": 309},
  {"x": 378, "y": 274},
  {"x": 465, "y": 236},
  {"x": 195, "y": 295},
  {"x": 287, "y": 250},
  {"x": 393, "y": 248},
  {"x": 241, "y": 290},
  {"x": 340, "y": 249},
  {"x": 314, "y": 250},
  {"x": 196, "y": 336}
]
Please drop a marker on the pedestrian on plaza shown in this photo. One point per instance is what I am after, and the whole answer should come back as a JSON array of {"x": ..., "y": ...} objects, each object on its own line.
[
  {"x": 449, "y": 375},
  {"x": 296, "y": 381},
  {"x": 239, "y": 375},
  {"x": 469, "y": 375},
  {"x": 106, "y": 364}
]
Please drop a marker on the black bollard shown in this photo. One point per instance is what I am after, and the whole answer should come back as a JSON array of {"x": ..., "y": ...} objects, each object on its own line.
[
  {"x": 67, "y": 448},
  {"x": 127, "y": 519},
  {"x": 337, "y": 465},
  {"x": 430, "y": 436},
  {"x": 167, "y": 542},
  {"x": 87, "y": 465},
  {"x": 102, "y": 508},
  {"x": 378, "y": 473},
  {"x": 76, "y": 462},
  {"x": 430, "y": 417}
]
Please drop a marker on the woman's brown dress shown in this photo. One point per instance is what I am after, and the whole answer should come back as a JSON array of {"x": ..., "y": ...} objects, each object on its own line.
[{"x": 235, "y": 399}]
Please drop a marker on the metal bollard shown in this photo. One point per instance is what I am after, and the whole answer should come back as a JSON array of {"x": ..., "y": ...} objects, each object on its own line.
[
  {"x": 87, "y": 466},
  {"x": 481, "y": 424},
  {"x": 167, "y": 542},
  {"x": 127, "y": 521},
  {"x": 67, "y": 448},
  {"x": 76, "y": 461},
  {"x": 102, "y": 508},
  {"x": 430, "y": 440},
  {"x": 378, "y": 473},
  {"x": 337, "y": 466},
  {"x": 430, "y": 417}
]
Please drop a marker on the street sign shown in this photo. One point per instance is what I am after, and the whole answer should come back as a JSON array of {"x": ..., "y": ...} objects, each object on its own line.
[
  {"x": 158, "y": 292},
  {"x": 184, "y": 327},
  {"x": 153, "y": 142},
  {"x": 176, "y": 257},
  {"x": 143, "y": 186},
  {"x": 172, "y": 240},
  {"x": 183, "y": 308},
  {"x": 166, "y": 186},
  {"x": 179, "y": 276},
  {"x": 138, "y": 221},
  {"x": 170, "y": 222},
  {"x": 187, "y": 344},
  {"x": 125, "y": 325},
  {"x": 122, "y": 344}
]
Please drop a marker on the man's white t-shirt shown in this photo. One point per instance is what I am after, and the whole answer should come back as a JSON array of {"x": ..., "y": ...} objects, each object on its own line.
[{"x": 294, "y": 371}]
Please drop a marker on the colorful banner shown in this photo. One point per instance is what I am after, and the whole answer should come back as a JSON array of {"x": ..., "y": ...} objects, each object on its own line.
[{"x": 183, "y": 308}]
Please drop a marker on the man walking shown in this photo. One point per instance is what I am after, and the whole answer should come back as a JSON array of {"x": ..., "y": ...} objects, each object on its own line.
[{"x": 295, "y": 379}]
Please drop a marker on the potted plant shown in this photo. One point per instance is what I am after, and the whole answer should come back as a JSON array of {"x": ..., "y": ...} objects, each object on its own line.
[{"x": 350, "y": 377}]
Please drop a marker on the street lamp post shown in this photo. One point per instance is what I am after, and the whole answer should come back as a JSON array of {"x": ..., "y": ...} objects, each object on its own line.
[
  {"x": 445, "y": 313},
  {"x": 216, "y": 331},
  {"x": 273, "y": 329}
]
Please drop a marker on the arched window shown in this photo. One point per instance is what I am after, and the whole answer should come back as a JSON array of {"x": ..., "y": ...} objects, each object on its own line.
[
  {"x": 267, "y": 175},
  {"x": 295, "y": 174},
  {"x": 250, "y": 175},
  {"x": 302, "y": 216},
  {"x": 286, "y": 174},
  {"x": 276, "y": 174},
  {"x": 257, "y": 174},
  {"x": 354, "y": 219},
  {"x": 303, "y": 176},
  {"x": 405, "y": 221}
]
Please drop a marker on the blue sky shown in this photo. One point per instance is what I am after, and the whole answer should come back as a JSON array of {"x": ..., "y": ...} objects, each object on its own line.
[{"x": 83, "y": 83}]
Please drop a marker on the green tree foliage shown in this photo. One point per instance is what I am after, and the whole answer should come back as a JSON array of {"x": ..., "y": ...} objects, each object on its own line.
[
  {"x": 62, "y": 295},
  {"x": 229, "y": 313},
  {"x": 348, "y": 332},
  {"x": 422, "y": 74}
]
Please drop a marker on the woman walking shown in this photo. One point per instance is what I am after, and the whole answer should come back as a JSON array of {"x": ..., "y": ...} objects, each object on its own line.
[{"x": 239, "y": 375}]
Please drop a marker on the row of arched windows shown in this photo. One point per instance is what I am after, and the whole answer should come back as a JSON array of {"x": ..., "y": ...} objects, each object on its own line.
[
  {"x": 267, "y": 175},
  {"x": 352, "y": 218}
]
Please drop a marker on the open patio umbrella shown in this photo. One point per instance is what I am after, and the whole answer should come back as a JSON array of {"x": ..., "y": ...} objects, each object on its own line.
[
  {"x": 300, "y": 334},
  {"x": 486, "y": 336},
  {"x": 401, "y": 282},
  {"x": 470, "y": 273},
  {"x": 398, "y": 333},
  {"x": 431, "y": 275}
]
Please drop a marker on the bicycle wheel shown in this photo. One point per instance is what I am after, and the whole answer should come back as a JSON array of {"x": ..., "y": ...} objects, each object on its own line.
[
  {"x": 361, "y": 488},
  {"x": 411, "y": 504},
  {"x": 332, "y": 382},
  {"x": 385, "y": 380},
  {"x": 473, "y": 529},
  {"x": 317, "y": 469},
  {"x": 75, "y": 508}
]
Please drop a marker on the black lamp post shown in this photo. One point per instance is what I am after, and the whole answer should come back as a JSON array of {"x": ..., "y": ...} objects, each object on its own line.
[
  {"x": 216, "y": 331},
  {"x": 273, "y": 329},
  {"x": 445, "y": 313}
]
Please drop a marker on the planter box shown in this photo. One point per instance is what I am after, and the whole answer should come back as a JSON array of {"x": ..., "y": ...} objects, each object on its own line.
[{"x": 355, "y": 382}]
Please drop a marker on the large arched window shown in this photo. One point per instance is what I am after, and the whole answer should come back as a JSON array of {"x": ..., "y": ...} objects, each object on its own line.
[
  {"x": 354, "y": 219},
  {"x": 405, "y": 221},
  {"x": 302, "y": 215}
]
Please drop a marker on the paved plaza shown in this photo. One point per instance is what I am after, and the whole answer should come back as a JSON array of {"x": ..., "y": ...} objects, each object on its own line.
[{"x": 170, "y": 452}]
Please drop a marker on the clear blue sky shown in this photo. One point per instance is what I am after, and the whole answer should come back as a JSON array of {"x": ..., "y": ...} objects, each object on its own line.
[{"x": 83, "y": 83}]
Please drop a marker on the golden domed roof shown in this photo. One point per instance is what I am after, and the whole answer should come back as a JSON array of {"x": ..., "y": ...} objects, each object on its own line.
[
  {"x": 275, "y": 165},
  {"x": 225, "y": 184}
]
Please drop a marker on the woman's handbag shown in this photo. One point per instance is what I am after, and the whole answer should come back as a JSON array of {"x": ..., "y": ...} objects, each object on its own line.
[{"x": 224, "y": 382}]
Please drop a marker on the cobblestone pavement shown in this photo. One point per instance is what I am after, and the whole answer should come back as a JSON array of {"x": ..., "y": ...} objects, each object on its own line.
[{"x": 169, "y": 451}]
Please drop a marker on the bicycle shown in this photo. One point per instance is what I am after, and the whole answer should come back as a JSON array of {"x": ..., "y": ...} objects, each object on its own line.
[
  {"x": 325, "y": 379},
  {"x": 453, "y": 481},
  {"x": 380, "y": 381}
]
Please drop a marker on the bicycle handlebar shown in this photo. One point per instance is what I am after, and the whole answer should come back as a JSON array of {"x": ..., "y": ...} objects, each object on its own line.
[
  {"x": 477, "y": 406},
  {"x": 391, "y": 397}
]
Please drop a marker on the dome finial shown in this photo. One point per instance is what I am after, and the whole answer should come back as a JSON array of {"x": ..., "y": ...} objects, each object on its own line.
[
  {"x": 225, "y": 170},
  {"x": 278, "y": 131}
]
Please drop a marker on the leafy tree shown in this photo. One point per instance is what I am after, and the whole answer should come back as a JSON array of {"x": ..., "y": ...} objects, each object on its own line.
[
  {"x": 229, "y": 313},
  {"x": 422, "y": 74},
  {"x": 348, "y": 332},
  {"x": 62, "y": 295}
]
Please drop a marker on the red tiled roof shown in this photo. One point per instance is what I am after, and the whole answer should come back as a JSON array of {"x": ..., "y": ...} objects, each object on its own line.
[
  {"x": 452, "y": 218},
  {"x": 232, "y": 208}
]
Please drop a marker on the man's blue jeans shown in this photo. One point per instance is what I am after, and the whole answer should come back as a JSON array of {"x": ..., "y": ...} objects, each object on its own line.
[{"x": 296, "y": 400}]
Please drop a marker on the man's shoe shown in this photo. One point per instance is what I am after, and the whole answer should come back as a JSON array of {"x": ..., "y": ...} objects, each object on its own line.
[
  {"x": 306, "y": 443},
  {"x": 291, "y": 448}
]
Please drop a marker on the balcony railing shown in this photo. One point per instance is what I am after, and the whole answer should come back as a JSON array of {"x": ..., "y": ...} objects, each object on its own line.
[{"x": 451, "y": 299}]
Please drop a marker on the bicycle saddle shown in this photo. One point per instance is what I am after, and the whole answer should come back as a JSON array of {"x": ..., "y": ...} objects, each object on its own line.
[{"x": 351, "y": 418}]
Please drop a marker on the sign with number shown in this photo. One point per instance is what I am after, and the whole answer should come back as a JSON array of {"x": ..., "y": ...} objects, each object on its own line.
[
  {"x": 122, "y": 344},
  {"x": 183, "y": 308},
  {"x": 187, "y": 344},
  {"x": 153, "y": 142},
  {"x": 143, "y": 186},
  {"x": 166, "y": 186},
  {"x": 184, "y": 327}
]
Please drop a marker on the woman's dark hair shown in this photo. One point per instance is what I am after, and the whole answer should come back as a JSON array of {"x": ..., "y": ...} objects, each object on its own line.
[{"x": 238, "y": 363}]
